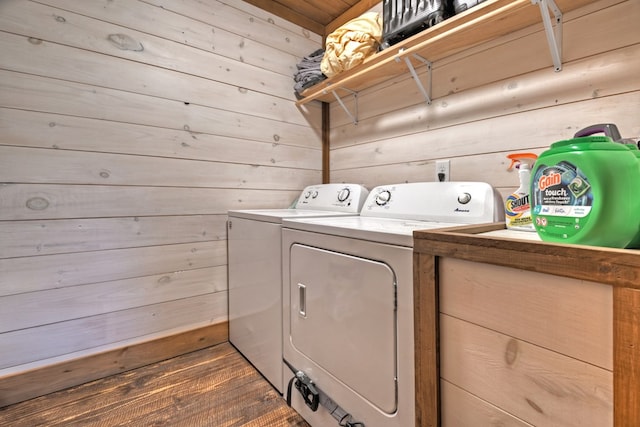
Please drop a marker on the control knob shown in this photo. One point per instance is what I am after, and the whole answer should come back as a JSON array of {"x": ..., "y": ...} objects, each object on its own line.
[
  {"x": 383, "y": 197},
  {"x": 464, "y": 198},
  {"x": 315, "y": 194},
  {"x": 344, "y": 194}
]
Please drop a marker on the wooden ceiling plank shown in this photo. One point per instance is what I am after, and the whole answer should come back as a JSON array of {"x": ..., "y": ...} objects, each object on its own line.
[
  {"x": 323, "y": 15},
  {"x": 288, "y": 14},
  {"x": 333, "y": 7},
  {"x": 354, "y": 11}
]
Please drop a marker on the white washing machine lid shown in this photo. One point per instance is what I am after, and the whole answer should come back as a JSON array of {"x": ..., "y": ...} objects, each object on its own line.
[
  {"x": 391, "y": 231},
  {"x": 278, "y": 215}
]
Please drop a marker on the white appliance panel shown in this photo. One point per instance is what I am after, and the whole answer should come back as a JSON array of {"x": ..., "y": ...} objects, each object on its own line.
[
  {"x": 333, "y": 197},
  {"x": 255, "y": 309},
  {"x": 456, "y": 202},
  {"x": 255, "y": 270},
  {"x": 382, "y": 233},
  {"x": 342, "y": 308},
  {"x": 400, "y": 261},
  {"x": 276, "y": 216},
  {"x": 384, "y": 230}
]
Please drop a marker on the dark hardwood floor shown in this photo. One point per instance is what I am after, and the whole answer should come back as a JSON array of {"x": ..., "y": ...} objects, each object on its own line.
[{"x": 211, "y": 387}]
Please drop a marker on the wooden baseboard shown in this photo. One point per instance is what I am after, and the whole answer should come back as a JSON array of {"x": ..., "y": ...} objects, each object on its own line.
[{"x": 38, "y": 382}]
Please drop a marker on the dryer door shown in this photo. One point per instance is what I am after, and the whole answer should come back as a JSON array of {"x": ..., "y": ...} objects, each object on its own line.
[{"x": 343, "y": 319}]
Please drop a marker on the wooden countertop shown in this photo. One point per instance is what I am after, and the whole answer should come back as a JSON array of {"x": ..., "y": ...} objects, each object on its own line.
[
  {"x": 619, "y": 268},
  {"x": 616, "y": 267}
]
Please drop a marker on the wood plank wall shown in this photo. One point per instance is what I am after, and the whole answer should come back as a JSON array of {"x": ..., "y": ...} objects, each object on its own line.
[
  {"x": 495, "y": 99},
  {"x": 128, "y": 128}
]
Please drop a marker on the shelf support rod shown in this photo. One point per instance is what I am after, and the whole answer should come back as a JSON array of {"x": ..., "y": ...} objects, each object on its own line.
[
  {"x": 552, "y": 30},
  {"x": 426, "y": 92},
  {"x": 352, "y": 116}
]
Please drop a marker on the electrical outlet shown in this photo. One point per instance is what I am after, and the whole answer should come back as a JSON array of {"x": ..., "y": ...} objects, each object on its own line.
[{"x": 442, "y": 170}]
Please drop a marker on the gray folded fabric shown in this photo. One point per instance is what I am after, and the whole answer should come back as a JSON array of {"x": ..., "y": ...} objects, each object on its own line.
[{"x": 308, "y": 73}]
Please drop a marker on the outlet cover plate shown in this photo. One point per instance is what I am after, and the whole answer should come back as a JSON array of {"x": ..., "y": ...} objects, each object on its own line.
[{"x": 443, "y": 167}]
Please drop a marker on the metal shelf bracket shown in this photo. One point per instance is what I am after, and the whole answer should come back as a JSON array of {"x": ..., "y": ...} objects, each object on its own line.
[
  {"x": 353, "y": 116},
  {"x": 552, "y": 30},
  {"x": 426, "y": 92}
]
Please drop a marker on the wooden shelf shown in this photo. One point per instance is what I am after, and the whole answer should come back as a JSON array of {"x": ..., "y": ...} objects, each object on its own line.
[{"x": 482, "y": 23}]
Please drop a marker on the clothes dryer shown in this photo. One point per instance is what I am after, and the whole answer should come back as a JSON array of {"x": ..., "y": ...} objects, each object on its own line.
[
  {"x": 348, "y": 301},
  {"x": 255, "y": 275}
]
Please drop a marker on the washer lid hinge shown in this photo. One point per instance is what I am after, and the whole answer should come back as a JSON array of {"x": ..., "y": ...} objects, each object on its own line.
[{"x": 552, "y": 30}]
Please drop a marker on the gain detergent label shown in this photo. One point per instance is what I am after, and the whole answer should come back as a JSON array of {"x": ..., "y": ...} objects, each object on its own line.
[{"x": 562, "y": 200}]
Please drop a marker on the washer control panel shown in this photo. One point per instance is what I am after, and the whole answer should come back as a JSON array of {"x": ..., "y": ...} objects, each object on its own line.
[
  {"x": 458, "y": 202},
  {"x": 334, "y": 197}
]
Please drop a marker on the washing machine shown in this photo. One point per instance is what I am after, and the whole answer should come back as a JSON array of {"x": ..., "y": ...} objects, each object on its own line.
[
  {"x": 348, "y": 301},
  {"x": 255, "y": 276}
]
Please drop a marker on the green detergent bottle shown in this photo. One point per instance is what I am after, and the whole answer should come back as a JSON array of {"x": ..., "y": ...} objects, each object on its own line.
[
  {"x": 586, "y": 190},
  {"x": 634, "y": 147}
]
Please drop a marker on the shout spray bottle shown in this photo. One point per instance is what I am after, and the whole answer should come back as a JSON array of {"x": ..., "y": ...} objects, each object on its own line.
[{"x": 517, "y": 207}]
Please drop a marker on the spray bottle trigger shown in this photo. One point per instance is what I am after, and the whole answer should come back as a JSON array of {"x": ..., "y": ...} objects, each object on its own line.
[{"x": 518, "y": 158}]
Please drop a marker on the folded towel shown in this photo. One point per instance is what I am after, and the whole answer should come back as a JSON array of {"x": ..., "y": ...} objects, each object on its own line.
[
  {"x": 350, "y": 44},
  {"x": 309, "y": 72}
]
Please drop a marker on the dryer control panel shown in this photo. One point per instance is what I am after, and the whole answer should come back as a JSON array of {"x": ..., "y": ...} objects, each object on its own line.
[{"x": 455, "y": 202}]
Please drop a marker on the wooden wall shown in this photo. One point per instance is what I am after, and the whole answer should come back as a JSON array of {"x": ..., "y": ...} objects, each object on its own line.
[
  {"x": 128, "y": 128},
  {"x": 498, "y": 98}
]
